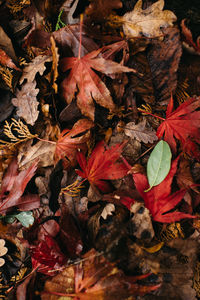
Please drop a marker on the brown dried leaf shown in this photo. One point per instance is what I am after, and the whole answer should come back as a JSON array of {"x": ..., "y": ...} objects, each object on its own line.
[
  {"x": 26, "y": 102},
  {"x": 164, "y": 57},
  {"x": 54, "y": 69},
  {"x": 184, "y": 176},
  {"x": 140, "y": 132},
  {"x": 37, "y": 65},
  {"x": 147, "y": 22},
  {"x": 42, "y": 150},
  {"x": 6, "y": 45}
]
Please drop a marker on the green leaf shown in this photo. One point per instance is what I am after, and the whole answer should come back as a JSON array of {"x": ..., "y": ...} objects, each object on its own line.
[
  {"x": 25, "y": 218},
  {"x": 159, "y": 164}
]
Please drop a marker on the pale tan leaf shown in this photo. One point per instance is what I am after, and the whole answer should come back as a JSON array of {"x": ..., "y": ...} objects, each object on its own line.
[
  {"x": 36, "y": 65},
  {"x": 108, "y": 210},
  {"x": 147, "y": 22},
  {"x": 42, "y": 150},
  {"x": 26, "y": 102},
  {"x": 140, "y": 132}
]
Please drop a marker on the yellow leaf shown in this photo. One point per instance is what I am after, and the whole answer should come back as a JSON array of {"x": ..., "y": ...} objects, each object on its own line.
[{"x": 155, "y": 248}]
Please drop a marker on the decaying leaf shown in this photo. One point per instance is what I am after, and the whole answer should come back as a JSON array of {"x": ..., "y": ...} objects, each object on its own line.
[
  {"x": 140, "y": 132},
  {"x": 26, "y": 102},
  {"x": 36, "y": 65},
  {"x": 188, "y": 39},
  {"x": 70, "y": 141},
  {"x": 43, "y": 151},
  {"x": 94, "y": 278},
  {"x": 102, "y": 165},
  {"x": 163, "y": 58},
  {"x": 147, "y": 22},
  {"x": 83, "y": 79}
]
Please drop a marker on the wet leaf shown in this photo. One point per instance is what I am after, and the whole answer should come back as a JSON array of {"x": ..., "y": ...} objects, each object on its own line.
[{"x": 158, "y": 164}]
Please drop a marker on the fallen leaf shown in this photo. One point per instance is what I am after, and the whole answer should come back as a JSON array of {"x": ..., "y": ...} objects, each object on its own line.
[
  {"x": 159, "y": 200},
  {"x": 140, "y": 132},
  {"x": 5, "y": 60},
  {"x": 14, "y": 185},
  {"x": 184, "y": 176},
  {"x": 47, "y": 257},
  {"x": 26, "y": 102},
  {"x": 36, "y": 65},
  {"x": 147, "y": 22},
  {"x": 90, "y": 87},
  {"x": 164, "y": 71},
  {"x": 54, "y": 68},
  {"x": 102, "y": 165},
  {"x": 6, "y": 45},
  {"x": 68, "y": 40},
  {"x": 70, "y": 141},
  {"x": 158, "y": 164},
  {"x": 108, "y": 210},
  {"x": 43, "y": 151},
  {"x": 182, "y": 124},
  {"x": 94, "y": 278},
  {"x": 188, "y": 39}
]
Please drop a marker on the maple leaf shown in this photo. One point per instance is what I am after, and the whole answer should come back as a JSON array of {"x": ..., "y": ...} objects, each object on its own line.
[
  {"x": 102, "y": 165},
  {"x": 159, "y": 199},
  {"x": 147, "y": 22},
  {"x": 83, "y": 80},
  {"x": 70, "y": 141},
  {"x": 13, "y": 186},
  {"x": 182, "y": 124},
  {"x": 95, "y": 278}
]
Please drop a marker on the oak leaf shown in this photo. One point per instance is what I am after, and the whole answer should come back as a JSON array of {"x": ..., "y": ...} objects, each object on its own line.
[
  {"x": 13, "y": 186},
  {"x": 182, "y": 124},
  {"x": 88, "y": 85},
  {"x": 36, "y": 65},
  {"x": 26, "y": 102},
  {"x": 95, "y": 278},
  {"x": 70, "y": 141},
  {"x": 147, "y": 22},
  {"x": 140, "y": 132},
  {"x": 159, "y": 199},
  {"x": 102, "y": 165}
]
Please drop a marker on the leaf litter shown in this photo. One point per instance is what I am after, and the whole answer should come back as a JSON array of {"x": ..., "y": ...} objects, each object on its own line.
[{"x": 99, "y": 151}]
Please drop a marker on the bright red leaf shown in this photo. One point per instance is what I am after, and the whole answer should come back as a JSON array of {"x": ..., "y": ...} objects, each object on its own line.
[
  {"x": 102, "y": 165},
  {"x": 70, "y": 141},
  {"x": 13, "y": 186},
  {"x": 182, "y": 124},
  {"x": 88, "y": 85},
  {"x": 159, "y": 199}
]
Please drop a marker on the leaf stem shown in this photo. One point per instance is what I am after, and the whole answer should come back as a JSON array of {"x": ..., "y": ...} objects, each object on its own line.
[
  {"x": 148, "y": 113},
  {"x": 51, "y": 142},
  {"x": 80, "y": 40}
]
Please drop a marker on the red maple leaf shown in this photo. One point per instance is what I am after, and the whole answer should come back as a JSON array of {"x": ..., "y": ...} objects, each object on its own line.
[
  {"x": 70, "y": 141},
  {"x": 102, "y": 165},
  {"x": 182, "y": 124},
  {"x": 86, "y": 82},
  {"x": 159, "y": 199}
]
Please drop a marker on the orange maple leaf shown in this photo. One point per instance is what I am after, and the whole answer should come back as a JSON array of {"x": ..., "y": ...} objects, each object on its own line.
[
  {"x": 102, "y": 165},
  {"x": 83, "y": 80},
  {"x": 70, "y": 141}
]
